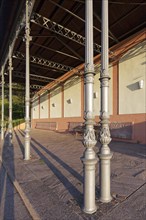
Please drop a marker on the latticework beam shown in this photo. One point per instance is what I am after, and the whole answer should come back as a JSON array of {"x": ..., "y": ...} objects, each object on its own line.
[
  {"x": 43, "y": 62},
  {"x": 61, "y": 30},
  {"x": 35, "y": 77}
]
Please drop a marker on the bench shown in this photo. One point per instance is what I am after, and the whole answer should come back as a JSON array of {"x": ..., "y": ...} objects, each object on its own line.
[
  {"x": 122, "y": 130},
  {"x": 46, "y": 126},
  {"x": 79, "y": 127},
  {"x": 76, "y": 127}
]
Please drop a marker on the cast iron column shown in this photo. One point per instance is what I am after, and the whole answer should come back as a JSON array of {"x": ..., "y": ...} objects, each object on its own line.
[
  {"x": 105, "y": 154},
  {"x": 27, "y": 86},
  {"x": 2, "y": 122},
  {"x": 89, "y": 158},
  {"x": 10, "y": 95}
]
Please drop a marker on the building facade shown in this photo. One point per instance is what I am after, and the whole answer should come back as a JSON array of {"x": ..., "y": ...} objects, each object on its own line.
[{"x": 61, "y": 103}]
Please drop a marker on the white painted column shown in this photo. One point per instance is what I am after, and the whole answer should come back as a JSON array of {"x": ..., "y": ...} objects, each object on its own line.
[
  {"x": 10, "y": 95},
  {"x": 105, "y": 154},
  {"x": 2, "y": 111},
  {"x": 89, "y": 159},
  {"x": 27, "y": 86}
]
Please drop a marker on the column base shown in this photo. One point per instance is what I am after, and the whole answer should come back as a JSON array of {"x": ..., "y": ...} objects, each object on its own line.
[
  {"x": 2, "y": 138},
  {"x": 89, "y": 185},
  {"x": 105, "y": 156},
  {"x": 27, "y": 159},
  {"x": 27, "y": 149},
  {"x": 105, "y": 200},
  {"x": 27, "y": 156},
  {"x": 105, "y": 195},
  {"x": 2, "y": 134},
  {"x": 90, "y": 211}
]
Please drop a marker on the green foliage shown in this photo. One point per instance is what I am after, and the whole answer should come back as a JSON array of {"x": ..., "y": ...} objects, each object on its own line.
[
  {"x": 18, "y": 122},
  {"x": 18, "y": 105}
]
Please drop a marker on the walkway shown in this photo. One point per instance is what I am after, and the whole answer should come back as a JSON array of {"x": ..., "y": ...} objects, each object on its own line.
[{"x": 52, "y": 180}]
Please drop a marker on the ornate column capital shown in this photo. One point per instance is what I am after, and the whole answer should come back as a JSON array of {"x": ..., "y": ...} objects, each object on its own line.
[
  {"x": 27, "y": 38},
  {"x": 105, "y": 138},
  {"x": 89, "y": 68},
  {"x": 10, "y": 67},
  {"x": 89, "y": 138},
  {"x": 104, "y": 74}
]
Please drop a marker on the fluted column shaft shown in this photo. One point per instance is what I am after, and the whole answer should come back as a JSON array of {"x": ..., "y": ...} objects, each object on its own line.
[
  {"x": 105, "y": 154},
  {"x": 2, "y": 111},
  {"x": 10, "y": 95},
  {"x": 27, "y": 85},
  {"x": 89, "y": 159}
]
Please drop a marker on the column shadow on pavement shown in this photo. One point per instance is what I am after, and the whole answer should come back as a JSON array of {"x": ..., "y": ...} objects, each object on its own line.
[
  {"x": 63, "y": 164},
  {"x": 6, "y": 187},
  {"x": 75, "y": 193},
  {"x": 19, "y": 143}
]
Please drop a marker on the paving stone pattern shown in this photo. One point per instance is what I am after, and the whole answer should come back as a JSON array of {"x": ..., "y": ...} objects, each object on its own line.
[{"x": 53, "y": 179}]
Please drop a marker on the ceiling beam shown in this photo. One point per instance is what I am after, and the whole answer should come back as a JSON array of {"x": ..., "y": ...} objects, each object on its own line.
[
  {"x": 43, "y": 77},
  {"x": 31, "y": 87},
  {"x": 61, "y": 30},
  {"x": 57, "y": 51},
  {"x": 83, "y": 20},
  {"x": 17, "y": 27},
  {"x": 43, "y": 62},
  {"x": 76, "y": 55},
  {"x": 80, "y": 1},
  {"x": 36, "y": 86},
  {"x": 71, "y": 49},
  {"x": 125, "y": 16},
  {"x": 45, "y": 68},
  {"x": 112, "y": 35},
  {"x": 133, "y": 29},
  {"x": 71, "y": 13},
  {"x": 32, "y": 76}
]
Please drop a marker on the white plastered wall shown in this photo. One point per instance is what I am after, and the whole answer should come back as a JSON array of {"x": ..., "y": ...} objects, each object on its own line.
[
  {"x": 72, "y": 97},
  {"x": 35, "y": 109},
  {"x": 96, "y": 95},
  {"x": 44, "y": 112},
  {"x": 56, "y": 103},
  {"x": 132, "y": 69}
]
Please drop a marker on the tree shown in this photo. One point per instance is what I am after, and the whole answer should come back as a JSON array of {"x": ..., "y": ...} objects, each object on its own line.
[{"x": 18, "y": 104}]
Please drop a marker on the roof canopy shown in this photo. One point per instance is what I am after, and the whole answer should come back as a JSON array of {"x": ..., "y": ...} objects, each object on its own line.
[{"x": 58, "y": 34}]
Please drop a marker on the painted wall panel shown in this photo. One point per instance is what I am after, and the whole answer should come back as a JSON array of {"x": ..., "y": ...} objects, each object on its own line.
[
  {"x": 96, "y": 94},
  {"x": 35, "y": 109},
  {"x": 72, "y": 97},
  {"x": 56, "y": 103},
  {"x": 132, "y": 69},
  {"x": 44, "y": 112}
]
